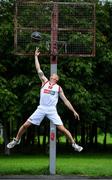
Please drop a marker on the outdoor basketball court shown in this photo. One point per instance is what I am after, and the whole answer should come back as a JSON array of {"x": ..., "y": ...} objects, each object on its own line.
[{"x": 67, "y": 30}]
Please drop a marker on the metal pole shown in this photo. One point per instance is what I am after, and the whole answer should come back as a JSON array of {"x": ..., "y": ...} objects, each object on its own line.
[{"x": 53, "y": 59}]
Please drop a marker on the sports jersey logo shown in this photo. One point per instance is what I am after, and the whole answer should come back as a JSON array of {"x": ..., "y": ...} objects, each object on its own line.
[{"x": 47, "y": 91}]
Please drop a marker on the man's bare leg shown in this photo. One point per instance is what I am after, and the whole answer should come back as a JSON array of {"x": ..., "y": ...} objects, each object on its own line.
[
  {"x": 67, "y": 133},
  {"x": 21, "y": 131},
  {"x": 69, "y": 136}
]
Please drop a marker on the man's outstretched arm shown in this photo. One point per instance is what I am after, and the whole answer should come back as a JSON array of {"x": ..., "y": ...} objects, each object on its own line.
[
  {"x": 68, "y": 104},
  {"x": 37, "y": 65}
]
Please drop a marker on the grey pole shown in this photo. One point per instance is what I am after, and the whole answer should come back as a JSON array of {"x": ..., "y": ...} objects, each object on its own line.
[
  {"x": 53, "y": 136},
  {"x": 53, "y": 59}
]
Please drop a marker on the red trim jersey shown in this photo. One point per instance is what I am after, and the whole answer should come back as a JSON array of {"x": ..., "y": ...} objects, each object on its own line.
[{"x": 49, "y": 94}]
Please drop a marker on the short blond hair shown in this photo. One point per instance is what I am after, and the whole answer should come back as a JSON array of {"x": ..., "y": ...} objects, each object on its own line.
[{"x": 56, "y": 76}]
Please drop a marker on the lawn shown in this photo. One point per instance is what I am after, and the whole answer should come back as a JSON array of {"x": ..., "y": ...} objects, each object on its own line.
[
  {"x": 77, "y": 164},
  {"x": 88, "y": 164}
]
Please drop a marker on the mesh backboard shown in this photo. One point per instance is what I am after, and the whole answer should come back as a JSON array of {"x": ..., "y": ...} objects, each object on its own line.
[{"x": 75, "y": 27}]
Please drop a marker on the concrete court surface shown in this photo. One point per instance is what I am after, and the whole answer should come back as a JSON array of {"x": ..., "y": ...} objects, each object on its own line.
[{"x": 50, "y": 177}]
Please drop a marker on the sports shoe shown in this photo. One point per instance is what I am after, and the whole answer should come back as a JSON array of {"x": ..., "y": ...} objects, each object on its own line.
[
  {"x": 13, "y": 143},
  {"x": 77, "y": 147}
]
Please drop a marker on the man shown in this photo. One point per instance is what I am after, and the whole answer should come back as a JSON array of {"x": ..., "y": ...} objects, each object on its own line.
[{"x": 50, "y": 91}]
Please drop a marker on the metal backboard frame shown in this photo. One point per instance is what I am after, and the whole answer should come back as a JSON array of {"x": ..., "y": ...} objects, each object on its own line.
[{"x": 75, "y": 32}]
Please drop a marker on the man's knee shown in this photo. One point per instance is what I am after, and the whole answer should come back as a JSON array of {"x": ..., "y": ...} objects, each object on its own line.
[
  {"x": 61, "y": 127},
  {"x": 26, "y": 124}
]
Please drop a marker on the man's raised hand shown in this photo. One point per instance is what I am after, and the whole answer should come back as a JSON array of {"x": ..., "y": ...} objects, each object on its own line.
[{"x": 37, "y": 52}]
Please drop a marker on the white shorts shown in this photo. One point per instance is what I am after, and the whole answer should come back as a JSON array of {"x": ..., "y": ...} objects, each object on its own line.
[{"x": 45, "y": 111}]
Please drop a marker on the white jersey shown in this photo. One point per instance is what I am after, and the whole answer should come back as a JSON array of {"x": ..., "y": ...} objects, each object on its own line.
[{"x": 49, "y": 94}]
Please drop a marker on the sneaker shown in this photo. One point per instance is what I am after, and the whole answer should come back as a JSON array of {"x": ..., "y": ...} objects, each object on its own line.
[
  {"x": 77, "y": 147},
  {"x": 13, "y": 143}
]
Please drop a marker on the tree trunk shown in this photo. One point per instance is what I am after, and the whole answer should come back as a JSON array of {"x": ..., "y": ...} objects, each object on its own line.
[
  {"x": 83, "y": 133},
  {"x": 6, "y": 140},
  {"x": 38, "y": 136},
  {"x": 105, "y": 136},
  {"x": 95, "y": 134}
]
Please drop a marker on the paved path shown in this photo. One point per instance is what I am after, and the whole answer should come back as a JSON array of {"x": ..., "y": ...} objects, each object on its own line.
[{"x": 49, "y": 177}]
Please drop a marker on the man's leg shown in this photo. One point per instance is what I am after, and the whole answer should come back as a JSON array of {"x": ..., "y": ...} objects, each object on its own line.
[
  {"x": 21, "y": 131},
  {"x": 66, "y": 132},
  {"x": 69, "y": 136}
]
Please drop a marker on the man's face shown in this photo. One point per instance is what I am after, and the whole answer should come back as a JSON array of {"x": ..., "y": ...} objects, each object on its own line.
[{"x": 54, "y": 78}]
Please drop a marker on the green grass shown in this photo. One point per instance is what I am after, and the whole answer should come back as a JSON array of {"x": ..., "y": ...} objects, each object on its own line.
[
  {"x": 63, "y": 139},
  {"x": 23, "y": 164},
  {"x": 86, "y": 164},
  {"x": 77, "y": 164},
  {"x": 100, "y": 138}
]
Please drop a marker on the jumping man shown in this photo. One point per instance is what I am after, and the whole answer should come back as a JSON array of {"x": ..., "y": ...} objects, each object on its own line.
[{"x": 50, "y": 91}]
